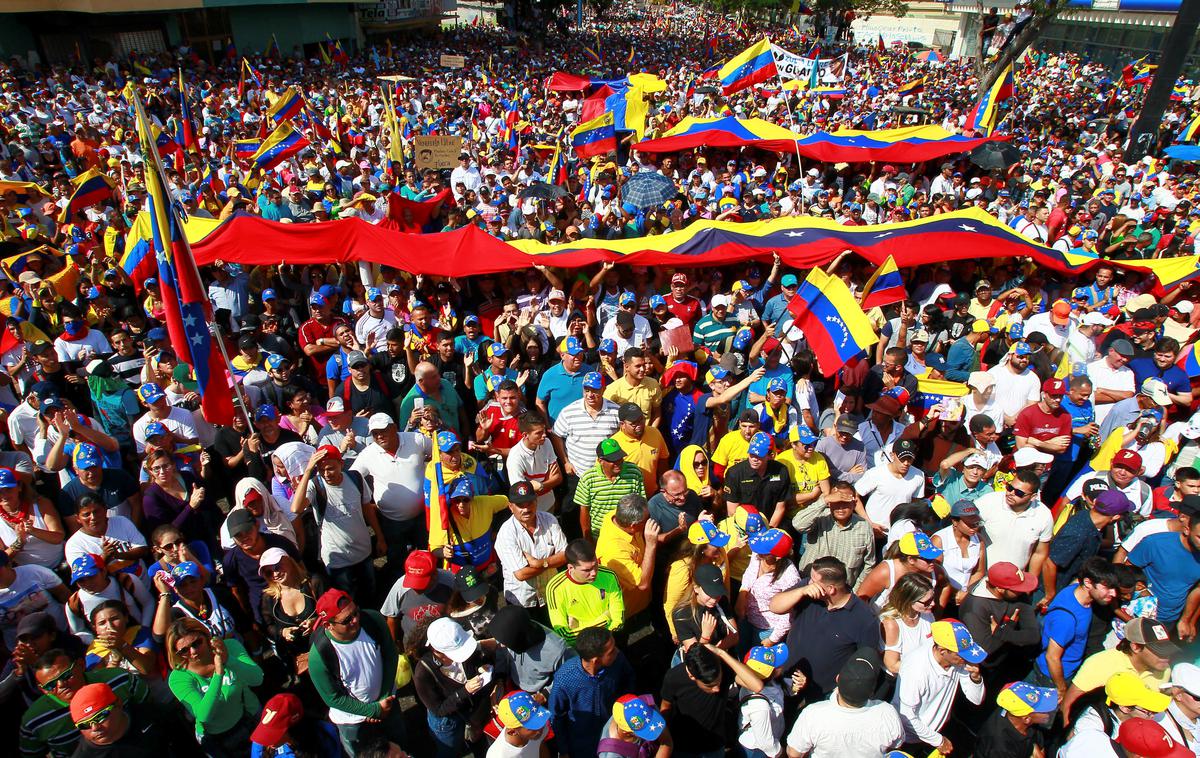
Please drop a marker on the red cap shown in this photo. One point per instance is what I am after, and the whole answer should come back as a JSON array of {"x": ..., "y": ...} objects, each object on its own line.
[
  {"x": 770, "y": 344},
  {"x": 1061, "y": 312},
  {"x": 279, "y": 714},
  {"x": 679, "y": 278},
  {"x": 90, "y": 700},
  {"x": 331, "y": 451},
  {"x": 419, "y": 568},
  {"x": 1007, "y": 576},
  {"x": 251, "y": 495},
  {"x": 330, "y": 605},
  {"x": 1144, "y": 326},
  {"x": 1054, "y": 387},
  {"x": 1148, "y": 739},
  {"x": 1130, "y": 459}
]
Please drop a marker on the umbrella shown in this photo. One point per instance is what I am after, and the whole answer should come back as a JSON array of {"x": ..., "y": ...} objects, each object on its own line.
[
  {"x": 1184, "y": 152},
  {"x": 930, "y": 56},
  {"x": 647, "y": 189},
  {"x": 991, "y": 155},
  {"x": 542, "y": 191},
  {"x": 706, "y": 89}
]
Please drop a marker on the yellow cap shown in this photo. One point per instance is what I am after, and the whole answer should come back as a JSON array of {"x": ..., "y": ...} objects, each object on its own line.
[{"x": 1127, "y": 688}]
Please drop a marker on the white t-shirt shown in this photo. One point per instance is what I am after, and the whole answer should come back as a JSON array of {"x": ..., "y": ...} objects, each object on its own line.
[
  {"x": 1104, "y": 377},
  {"x": 1011, "y": 536},
  {"x": 761, "y": 718},
  {"x": 502, "y": 749},
  {"x": 120, "y": 530},
  {"x": 532, "y": 466},
  {"x": 29, "y": 593},
  {"x": 829, "y": 729},
  {"x": 94, "y": 343},
  {"x": 1014, "y": 391},
  {"x": 1040, "y": 322},
  {"x": 398, "y": 481},
  {"x": 883, "y": 491},
  {"x": 179, "y": 421},
  {"x": 361, "y": 671}
]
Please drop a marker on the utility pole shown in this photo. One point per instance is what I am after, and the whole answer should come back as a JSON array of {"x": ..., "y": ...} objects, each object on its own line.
[{"x": 1178, "y": 42}]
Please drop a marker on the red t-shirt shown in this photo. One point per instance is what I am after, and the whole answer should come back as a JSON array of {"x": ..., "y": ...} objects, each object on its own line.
[
  {"x": 687, "y": 311},
  {"x": 1033, "y": 422},
  {"x": 313, "y": 330},
  {"x": 506, "y": 432}
]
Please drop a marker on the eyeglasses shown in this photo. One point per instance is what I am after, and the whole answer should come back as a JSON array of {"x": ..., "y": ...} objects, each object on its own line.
[
  {"x": 59, "y": 680},
  {"x": 1019, "y": 493},
  {"x": 101, "y": 716},
  {"x": 162, "y": 468}
]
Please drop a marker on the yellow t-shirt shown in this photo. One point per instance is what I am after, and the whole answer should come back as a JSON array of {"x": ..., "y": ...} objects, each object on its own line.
[
  {"x": 646, "y": 395},
  {"x": 733, "y": 448},
  {"x": 804, "y": 474},
  {"x": 645, "y": 454},
  {"x": 1098, "y": 668},
  {"x": 622, "y": 553}
]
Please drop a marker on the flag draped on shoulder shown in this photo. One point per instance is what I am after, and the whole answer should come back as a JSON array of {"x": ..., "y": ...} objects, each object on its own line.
[
  {"x": 90, "y": 187},
  {"x": 279, "y": 145},
  {"x": 983, "y": 117},
  {"x": 595, "y": 137},
  {"x": 753, "y": 65},
  {"x": 833, "y": 323},
  {"x": 885, "y": 286},
  {"x": 186, "y": 308}
]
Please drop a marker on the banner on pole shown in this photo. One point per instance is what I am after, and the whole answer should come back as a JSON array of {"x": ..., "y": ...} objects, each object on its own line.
[{"x": 791, "y": 66}]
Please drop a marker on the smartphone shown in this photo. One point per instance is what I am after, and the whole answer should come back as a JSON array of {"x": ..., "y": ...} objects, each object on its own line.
[{"x": 418, "y": 403}]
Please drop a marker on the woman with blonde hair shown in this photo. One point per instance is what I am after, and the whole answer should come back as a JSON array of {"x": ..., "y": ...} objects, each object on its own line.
[
  {"x": 212, "y": 678},
  {"x": 704, "y": 545},
  {"x": 905, "y": 619},
  {"x": 289, "y": 605}
]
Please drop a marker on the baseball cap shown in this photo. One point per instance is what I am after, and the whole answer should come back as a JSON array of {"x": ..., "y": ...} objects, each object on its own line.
[
  {"x": 703, "y": 532},
  {"x": 151, "y": 393},
  {"x": 519, "y": 709},
  {"x": 268, "y": 294},
  {"x": 630, "y": 412},
  {"x": 1054, "y": 387},
  {"x": 449, "y": 638},
  {"x": 902, "y": 449},
  {"x": 1007, "y": 576},
  {"x": 979, "y": 326},
  {"x": 460, "y": 489},
  {"x": 1130, "y": 459},
  {"x": 1152, "y": 633},
  {"x": 763, "y": 660},
  {"x": 593, "y": 380},
  {"x": 609, "y": 450},
  {"x": 774, "y": 542},
  {"x": 975, "y": 459},
  {"x": 240, "y": 520},
  {"x": 88, "y": 564},
  {"x": 802, "y": 434},
  {"x": 1094, "y": 487},
  {"x": 719, "y": 301},
  {"x": 918, "y": 544},
  {"x": 90, "y": 700},
  {"x": 419, "y": 570},
  {"x": 953, "y": 635},
  {"x": 40, "y": 622},
  {"x": 186, "y": 570},
  {"x": 331, "y": 602},
  {"x": 1022, "y": 348},
  {"x": 1156, "y": 389},
  {"x": 846, "y": 423},
  {"x": 335, "y": 405},
  {"x": 627, "y": 298},
  {"x": 275, "y": 361},
  {"x": 317, "y": 299},
  {"x": 155, "y": 429},
  {"x": 1127, "y": 688},
  {"x": 572, "y": 346},
  {"x": 710, "y": 579},
  {"x": 469, "y": 319},
  {"x": 281, "y": 712},
  {"x": 633, "y": 714},
  {"x": 1028, "y": 456},
  {"x": 760, "y": 445},
  {"x": 1016, "y": 330},
  {"x": 1112, "y": 503},
  {"x": 1022, "y": 699},
  {"x": 1148, "y": 739},
  {"x": 357, "y": 358},
  {"x": 85, "y": 456},
  {"x": 374, "y": 293},
  {"x": 379, "y": 421},
  {"x": 270, "y": 557},
  {"x": 470, "y": 585},
  {"x": 789, "y": 280},
  {"x": 496, "y": 350},
  {"x": 447, "y": 441},
  {"x": 1186, "y": 676},
  {"x": 964, "y": 509},
  {"x": 1060, "y": 313},
  {"x": 859, "y": 677},
  {"x": 521, "y": 492},
  {"x": 266, "y": 411}
]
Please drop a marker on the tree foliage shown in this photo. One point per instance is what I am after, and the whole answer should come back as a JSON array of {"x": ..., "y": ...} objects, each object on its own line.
[{"x": 988, "y": 70}]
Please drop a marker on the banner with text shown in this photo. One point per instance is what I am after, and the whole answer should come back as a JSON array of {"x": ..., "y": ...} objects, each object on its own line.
[{"x": 792, "y": 66}]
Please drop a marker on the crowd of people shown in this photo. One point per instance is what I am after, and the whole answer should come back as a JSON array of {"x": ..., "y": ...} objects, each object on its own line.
[{"x": 613, "y": 511}]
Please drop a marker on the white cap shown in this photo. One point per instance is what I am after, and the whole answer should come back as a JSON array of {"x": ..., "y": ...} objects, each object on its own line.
[
  {"x": 718, "y": 300},
  {"x": 342, "y": 164},
  {"x": 379, "y": 421},
  {"x": 1185, "y": 676},
  {"x": 451, "y": 640},
  {"x": 271, "y": 557},
  {"x": 1156, "y": 390},
  {"x": 1027, "y": 456},
  {"x": 813, "y": 172},
  {"x": 335, "y": 405},
  {"x": 976, "y": 459},
  {"x": 556, "y": 295},
  {"x": 1093, "y": 318},
  {"x": 1192, "y": 429},
  {"x": 918, "y": 335},
  {"x": 1184, "y": 306},
  {"x": 981, "y": 380}
]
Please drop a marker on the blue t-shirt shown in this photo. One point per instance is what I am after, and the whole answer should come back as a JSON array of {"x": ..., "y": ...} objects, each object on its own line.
[
  {"x": 1081, "y": 415},
  {"x": 1174, "y": 377},
  {"x": 558, "y": 389},
  {"x": 1066, "y": 623},
  {"x": 1172, "y": 570},
  {"x": 336, "y": 368}
]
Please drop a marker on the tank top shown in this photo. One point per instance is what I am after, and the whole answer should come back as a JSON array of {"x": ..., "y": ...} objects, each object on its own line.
[
  {"x": 958, "y": 567},
  {"x": 882, "y": 598},
  {"x": 36, "y": 550},
  {"x": 911, "y": 637}
]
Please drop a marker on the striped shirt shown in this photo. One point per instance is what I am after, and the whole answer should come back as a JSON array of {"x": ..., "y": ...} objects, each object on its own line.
[
  {"x": 574, "y": 607},
  {"x": 47, "y": 726},
  {"x": 599, "y": 494},
  {"x": 581, "y": 432}
]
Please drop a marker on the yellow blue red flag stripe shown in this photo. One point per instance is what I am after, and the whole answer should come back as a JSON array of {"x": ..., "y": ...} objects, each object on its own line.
[
  {"x": 753, "y": 65},
  {"x": 596, "y": 137},
  {"x": 885, "y": 286},
  {"x": 91, "y": 187},
  {"x": 279, "y": 145},
  {"x": 834, "y": 325},
  {"x": 983, "y": 117},
  {"x": 287, "y": 106}
]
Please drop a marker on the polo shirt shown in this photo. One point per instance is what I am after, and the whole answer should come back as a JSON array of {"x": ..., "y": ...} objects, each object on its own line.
[
  {"x": 804, "y": 474},
  {"x": 1172, "y": 570},
  {"x": 1098, "y": 668},
  {"x": 599, "y": 494},
  {"x": 396, "y": 480},
  {"x": 447, "y": 405},
  {"x": 732, "y": 449},
  {"x": 712, "y": 333},
  {"x": 621, "y": 553},
  {"x": 1174, "y": 377},
  {"x": 581, "y": 431},
  {"x": 1066, "y": 622},
  {"x": 557, "y": 388},
  {"x": 745, "y": 486},
  {"x": 954, "y": 488},
  {"x": 822, "y": 640},
  {"x": 646, "y": 394},
  {"x": 645, "y": 454},
  {"x": 573, "y": 606},
  {"x": 1012, "y": 536}
]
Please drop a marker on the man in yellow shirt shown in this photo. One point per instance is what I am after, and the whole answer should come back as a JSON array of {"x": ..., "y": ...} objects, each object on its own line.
[
  {"x": 584, "y": 595},
  {"x": 1146, "y": 651},
  {"x": 635, "y": 387},
  {"x": 734, "y": 447},
  {"x": 466, "y": 538},
  {"x": 808, "y": 469},
  {"x": 627, "y": 546},
  {"x": 644, "y": 446}
]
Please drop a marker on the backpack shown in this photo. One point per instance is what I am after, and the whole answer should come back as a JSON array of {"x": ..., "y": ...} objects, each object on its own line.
[{"x": 321, "y": 501}]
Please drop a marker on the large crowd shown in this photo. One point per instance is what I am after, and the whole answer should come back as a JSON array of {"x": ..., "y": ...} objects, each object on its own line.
[{"x": 617, "y": 511}]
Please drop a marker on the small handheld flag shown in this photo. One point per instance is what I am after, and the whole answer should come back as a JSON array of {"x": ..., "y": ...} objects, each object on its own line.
[
  {"x": 885, "y": 286},
  {"x": 834, "y": 324},
  {"x": 595, "y": 137}
]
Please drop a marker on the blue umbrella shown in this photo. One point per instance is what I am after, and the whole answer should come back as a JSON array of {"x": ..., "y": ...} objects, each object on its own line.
[{"x": 648, "y": 189}]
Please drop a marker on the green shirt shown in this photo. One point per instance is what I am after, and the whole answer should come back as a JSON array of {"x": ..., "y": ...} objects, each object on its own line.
[
  {"x": 447, "y": 406},
  {"x": 712, "y": 333},
  {"x": 574, "y": 607},
  {"x": 599, "y": 495},
  {"x": 47, "y": 726},
  {"x": 219, "y": 702}
]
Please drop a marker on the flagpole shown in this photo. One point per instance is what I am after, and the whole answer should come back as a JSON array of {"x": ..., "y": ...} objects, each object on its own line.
[
  {"x": 796, "y": 144},
  {"x": 151, "y": 152}
]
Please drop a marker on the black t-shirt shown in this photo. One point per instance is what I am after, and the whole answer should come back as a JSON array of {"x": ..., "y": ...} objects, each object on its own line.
[
  {"x": 374, "y": 399},
  {"x": 415, "y": 606},
  {"x": 242, "y": 569},
  {"x": 395, "y": 373},
  {"x": 687, "y": 626},
  {"x": 698, "y": 720},
  {"x": 745, "y": 487},
  {"x": 1000, "y": 739},
  {"x": 116, "y": 486},
  {"x": 145, "y": 738}
]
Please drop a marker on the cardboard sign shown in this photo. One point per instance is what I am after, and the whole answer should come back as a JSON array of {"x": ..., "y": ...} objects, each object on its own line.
[
  {"x": 436, "y": 152},
  {"x": 452, "y": 61}
]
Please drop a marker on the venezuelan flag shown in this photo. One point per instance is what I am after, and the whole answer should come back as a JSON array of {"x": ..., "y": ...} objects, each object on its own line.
[
  {"x": 1190, "y": 361},
  {"x": 591, "y": 55},
  {"x": 931, "y": 392},
  {"x": 186, "y": 134},
  {"x": 245, "y": 149},
  {"x": 287, "y": 106},
  {"x": 280, "y": 145},
  {"x": 912, "y": 88},
  {"x": 982, "y": 118},
  {"x": 91, "y": 187},
  {"x": 15, "y": 265},
  {"x": 595, "y": 137},
  {"x": 834, "y": 324},
  {"x": 885, "y": 286},
  {"x": 1190, "y": 132},
  {"x": 1180, "y": 91},
  {"x": 753, "y": 65},
  {"x": 165, "y": 143},
  {"x": 273, "y": 50}
]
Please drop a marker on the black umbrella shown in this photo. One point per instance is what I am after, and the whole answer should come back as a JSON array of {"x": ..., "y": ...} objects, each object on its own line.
[
  {"x": 991, "y": 155},
  {"x": 706, "y": 89},
  {"x": 542, "y": 191}
]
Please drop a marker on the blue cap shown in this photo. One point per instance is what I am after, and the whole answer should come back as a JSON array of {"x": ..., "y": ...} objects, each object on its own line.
[
  {"x": 573, "y": 346},
  {"x": 703, "y": 532},
  {"x": 935, "y": 361},
  {"x": 186, "y": 570},
  {"x": 42, "y": 390},
  {"x": 789, "y": 280},
  {"x": 496, "y": 350},
  {"x": 268, "y": 294},
  {"x": 8, "y": 479},
  {"x": 317, "y": 299},
  {"x": 657, "y": 301},
  {"x": 470, "y": 318},
  {"x": 328, "y": 291},
  {"x": 374, "y": 293},
  {"x": 608, "y": 346},
  {"x": 593, "y": 380},
  {"x": 627, "y": 298},
  {"x": 1090, "y": 234},
  {"x": 84, "y": 566},
  {"x": 94, "y": 293},
  {"x": 266, "y": 411},
  {"x": 760, "y": 445},
  {"x": 275, "y": 361},
  {"x": 777, "y": 385},
  {"x": 918, "y": 544},
  {"x": 447, "y": 441},
  {"x": 764, "y": 660},
  {"x": 1022, "y": 348},
  {"x": 1016, "y": 331},
  {"x": 461, "y": 488},
  {"x": 51, "y": 404},
  {"x": 155, "y": 428},
  {"x": 718, "y": 372},
  {"x": 150, "y": 393},
  {"x": 1023, "y": 698},
  {"x": 803, "y": 435},
  {"x": 633, "y": 714},
  {"x": 743, "y": 338},
  {"x": 156, "y": 334},
  {"x": 85, "y": 456}
]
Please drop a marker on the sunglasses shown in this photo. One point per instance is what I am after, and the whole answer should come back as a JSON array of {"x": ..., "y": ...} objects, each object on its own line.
[
  {"x": 1019, "y": 492},
  {"x": 350, "y": 619},
  {"x": 101, "y": 716},
  {"x": 172, "y": 545},
  {"x": 193, "y": 647},
  {"x": 57, "y": 681}
]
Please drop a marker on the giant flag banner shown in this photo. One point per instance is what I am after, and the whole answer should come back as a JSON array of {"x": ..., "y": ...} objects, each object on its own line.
[
  {"x": 185, "y": 301},
  {"x": 833, "y": 323},
  {"x": 753, "y": 65},
  {"x": 90, "y": 187},
  {"x": 279, "y": 145}
]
